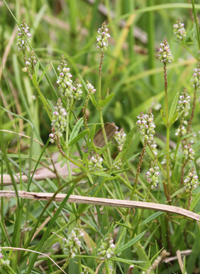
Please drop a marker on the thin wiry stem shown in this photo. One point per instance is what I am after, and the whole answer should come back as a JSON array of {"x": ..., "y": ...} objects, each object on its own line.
[
  {"x": 192, "y": 113},
  {"x": 182, "y": 171},
  {"x": 138, "y": 169},
  {"x": 168, "y": 129}
]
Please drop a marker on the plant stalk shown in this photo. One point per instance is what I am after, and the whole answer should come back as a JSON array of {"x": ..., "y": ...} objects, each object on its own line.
[
  {"x": 100, "y": 109},
  {"x": 168, "y": 128}
]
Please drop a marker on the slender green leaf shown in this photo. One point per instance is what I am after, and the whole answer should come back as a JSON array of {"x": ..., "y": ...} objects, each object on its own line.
[
  {"x": 173, "y": 119},
  {"x": 43, "y": 73},
  {"x": 91, "y": 136},
  {"x": 195, "y": 201},
  {"x": 76, "y": 129},
  {"x": 151, "y": 218},
  {"x": 89, "y": 143},
  {"x": 78, "y": 137},
  {"x": 179, "y": 191},
  {"x": 93, "y": 100},
  {"x": 130, "y": 243},
  {"x": 36, "y": 70},
  {"x": 173, "y": 106},
  {"x": 44, "y": 101},
  {"x": 106, "y": 100},
  {"x": 104, "y": 148},
  {"x": 149, "y": 152},
  {"x": 163, "y": 116},
  {"x": 103, "y": 174},
  {"x": 122, "y": 260},
  {"x": 51, "y": 105}
]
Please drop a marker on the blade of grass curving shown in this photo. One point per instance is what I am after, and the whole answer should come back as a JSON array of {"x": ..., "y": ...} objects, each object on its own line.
[
  {"x": 50, "y": 225},
  {"x": 18, "y": 214},
  {"x": 156, "y": 7},
  {"x": 43, "y": 206}
]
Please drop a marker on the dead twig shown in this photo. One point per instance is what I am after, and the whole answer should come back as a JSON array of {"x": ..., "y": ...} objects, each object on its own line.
[{"x": 101, "y": 201}]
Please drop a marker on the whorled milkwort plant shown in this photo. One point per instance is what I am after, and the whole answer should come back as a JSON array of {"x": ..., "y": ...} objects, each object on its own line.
[
  {"x": 104, "y": 167},
  {"x": 65, "y": 123}
]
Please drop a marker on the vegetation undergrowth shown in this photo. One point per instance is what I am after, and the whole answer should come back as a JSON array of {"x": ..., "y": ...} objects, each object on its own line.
[{"x": 99, "y": 122}]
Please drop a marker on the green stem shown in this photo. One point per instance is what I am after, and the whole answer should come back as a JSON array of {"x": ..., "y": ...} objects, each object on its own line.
[
  {"x": 168, "y": 128},
  {"x": 177, "y": 147},
  {"x": 100, "y": 110},
  {"x": 107, "y": 267},
  {"x": 166, "y": 95},
  {"x": 192, "y": 113},
  {"x": 67, "y": 136},
  {"x": 104, "y": 135},
  {"x": 100, "y": 74},
  {"x": 189, "y": 200},
  {"x": 179, "y": 139},
  {"x": 142, "y": 211},
  {"x": 138, "y": 170},
  {"x": 168, "y": 169},
  {"x": 68, "y": 158},
  {"x": 79, "y": 263},
  {"x": 8, "y": 269}
]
